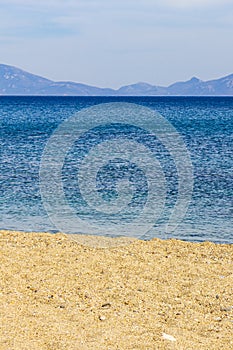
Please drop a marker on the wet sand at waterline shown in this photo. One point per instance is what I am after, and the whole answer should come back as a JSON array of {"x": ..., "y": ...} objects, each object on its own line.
[{"x": 60, "y": 293}]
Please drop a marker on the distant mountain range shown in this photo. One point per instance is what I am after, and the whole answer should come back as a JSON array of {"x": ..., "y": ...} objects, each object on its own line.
[{"x": 14, "y": 81}]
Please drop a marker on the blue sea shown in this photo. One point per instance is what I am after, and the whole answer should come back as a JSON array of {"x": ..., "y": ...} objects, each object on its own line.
[{"x": 204, "y": 123}]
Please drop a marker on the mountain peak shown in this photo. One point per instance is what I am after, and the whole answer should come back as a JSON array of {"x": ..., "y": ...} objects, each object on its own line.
[
  {"x": 194, "y": 80},
  {"x": 143, "y": 84}
]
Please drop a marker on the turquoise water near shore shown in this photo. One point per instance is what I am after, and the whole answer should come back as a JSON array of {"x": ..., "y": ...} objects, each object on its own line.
[{"x": 205, "y": 123}]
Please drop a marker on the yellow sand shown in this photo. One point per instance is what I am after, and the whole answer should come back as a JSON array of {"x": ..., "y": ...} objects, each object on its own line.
[{"x": 56, "y": 293}]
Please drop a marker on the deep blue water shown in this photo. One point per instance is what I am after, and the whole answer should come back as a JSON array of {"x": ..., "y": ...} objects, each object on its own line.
[{"x": 205, "y": 124}]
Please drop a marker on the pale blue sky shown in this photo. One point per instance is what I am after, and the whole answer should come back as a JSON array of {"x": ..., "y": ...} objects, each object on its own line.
[{"x": 116, "y": 42}]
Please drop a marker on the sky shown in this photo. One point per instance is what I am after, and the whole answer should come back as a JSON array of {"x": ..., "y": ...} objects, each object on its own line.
[{"x": 110, "y": 43}]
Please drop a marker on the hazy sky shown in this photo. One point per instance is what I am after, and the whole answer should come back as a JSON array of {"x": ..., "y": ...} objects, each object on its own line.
[{"x": 116, "y": 42}]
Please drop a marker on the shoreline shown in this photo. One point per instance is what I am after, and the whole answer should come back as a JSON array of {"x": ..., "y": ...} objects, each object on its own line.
[
  {"x": 86, "y": 239},
  {"x": 58, "y": 293}
]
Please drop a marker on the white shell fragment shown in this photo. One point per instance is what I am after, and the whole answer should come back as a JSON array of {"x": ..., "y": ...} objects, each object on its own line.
[{"x": 168, "y": 337}]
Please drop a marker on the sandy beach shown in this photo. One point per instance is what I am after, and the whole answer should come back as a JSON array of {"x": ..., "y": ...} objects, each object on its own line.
[{"x": 58, "y": 293}]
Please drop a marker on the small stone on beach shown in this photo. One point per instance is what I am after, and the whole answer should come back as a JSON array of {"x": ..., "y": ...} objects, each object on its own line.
[{"x": 102, "y": 318}]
